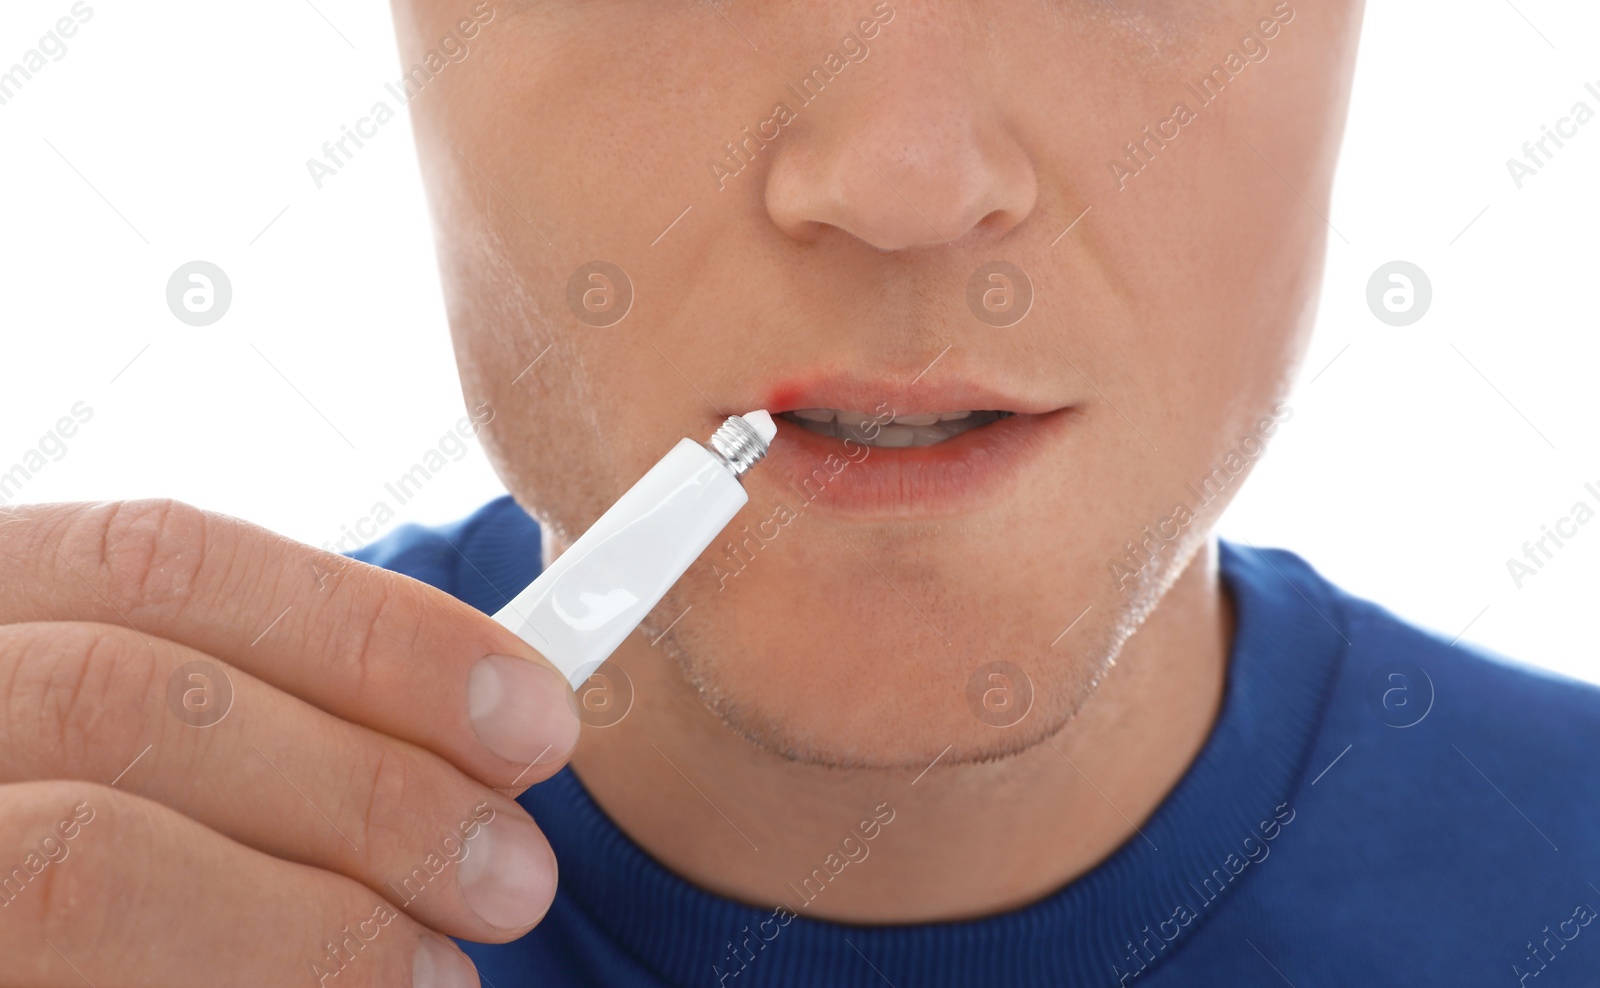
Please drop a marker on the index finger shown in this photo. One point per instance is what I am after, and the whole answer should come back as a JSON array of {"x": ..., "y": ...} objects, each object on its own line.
[{"x": 362, "y": 643}]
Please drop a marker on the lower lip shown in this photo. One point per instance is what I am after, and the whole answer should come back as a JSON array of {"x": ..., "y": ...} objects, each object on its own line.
[{"x": 955, "y": 477}]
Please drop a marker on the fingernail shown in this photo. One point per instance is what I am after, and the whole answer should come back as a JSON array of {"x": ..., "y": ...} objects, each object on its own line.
[
  {"x": 510, "y": 878},
  {"x": 520, "y": 711},
  {"x": 440, "y": 964}
]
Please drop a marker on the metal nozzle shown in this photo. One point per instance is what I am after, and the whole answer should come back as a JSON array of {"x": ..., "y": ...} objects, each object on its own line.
[{"x": 738, "y": 444}]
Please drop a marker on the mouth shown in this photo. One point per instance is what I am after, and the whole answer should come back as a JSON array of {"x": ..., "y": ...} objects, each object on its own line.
[
  {"x": 886, "y": 430},
  {"x": 880, "y": 448}
]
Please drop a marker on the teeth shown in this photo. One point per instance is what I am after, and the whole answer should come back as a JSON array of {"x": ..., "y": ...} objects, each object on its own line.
[
  {"x": 898, "y": 432},
  {"x": 895, "y": 436}
]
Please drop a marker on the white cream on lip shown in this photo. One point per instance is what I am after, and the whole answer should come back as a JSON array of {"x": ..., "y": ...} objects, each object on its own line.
[{"x": 579, "y": 610}]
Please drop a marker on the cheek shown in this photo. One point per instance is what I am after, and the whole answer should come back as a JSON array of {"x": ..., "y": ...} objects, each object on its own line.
[
  {"x": 533, "y": 150},
  {"x": 1201, "y": 265}
]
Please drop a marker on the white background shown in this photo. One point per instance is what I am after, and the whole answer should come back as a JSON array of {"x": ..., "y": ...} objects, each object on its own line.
[{"x": 1418, "y": 460}]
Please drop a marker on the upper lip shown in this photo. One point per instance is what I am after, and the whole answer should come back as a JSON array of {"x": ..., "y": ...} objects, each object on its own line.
[{"x": 901, "y": 394}]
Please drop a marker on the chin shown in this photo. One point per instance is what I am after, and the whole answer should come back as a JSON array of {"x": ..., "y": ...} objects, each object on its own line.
[{"x": 850, "y": 675}]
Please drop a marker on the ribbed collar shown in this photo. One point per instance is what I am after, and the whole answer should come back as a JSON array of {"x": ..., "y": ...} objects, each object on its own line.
[{"x": 1288, "y": 641}]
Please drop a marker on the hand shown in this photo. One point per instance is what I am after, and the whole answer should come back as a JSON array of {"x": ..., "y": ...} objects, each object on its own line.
[{"x": 230, "y": 759}]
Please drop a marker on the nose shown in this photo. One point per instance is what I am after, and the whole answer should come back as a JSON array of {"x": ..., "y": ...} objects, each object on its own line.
[{"x": 911, "y": 155}]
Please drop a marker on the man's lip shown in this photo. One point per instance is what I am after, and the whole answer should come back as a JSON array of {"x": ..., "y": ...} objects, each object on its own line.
[
  {"x": 909, "y": 395},
  {"x": 970, "y": 473}
]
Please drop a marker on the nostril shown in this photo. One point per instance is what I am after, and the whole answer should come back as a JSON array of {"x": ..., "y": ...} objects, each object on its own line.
[{"x": 996, "y": 220}]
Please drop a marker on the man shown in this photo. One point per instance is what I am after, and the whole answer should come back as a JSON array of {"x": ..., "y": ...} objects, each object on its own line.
[{"x": 967, "y": 695}]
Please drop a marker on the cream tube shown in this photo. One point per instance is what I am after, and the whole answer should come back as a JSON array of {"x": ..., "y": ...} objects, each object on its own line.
[{"x": 580, "y": 609}]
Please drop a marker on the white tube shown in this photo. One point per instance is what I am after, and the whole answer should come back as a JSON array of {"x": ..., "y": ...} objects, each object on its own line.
[{"x": 579, "y": 610}]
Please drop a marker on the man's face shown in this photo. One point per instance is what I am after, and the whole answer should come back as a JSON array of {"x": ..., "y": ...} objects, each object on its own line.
[{"x": 1157, "y": 171}]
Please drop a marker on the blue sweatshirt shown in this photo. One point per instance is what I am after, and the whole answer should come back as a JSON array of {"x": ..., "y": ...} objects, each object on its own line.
[{"x": 1374, "y": 806}]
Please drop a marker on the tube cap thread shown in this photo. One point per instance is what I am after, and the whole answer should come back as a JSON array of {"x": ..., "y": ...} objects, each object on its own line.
[{"x": 739, "y": 445}]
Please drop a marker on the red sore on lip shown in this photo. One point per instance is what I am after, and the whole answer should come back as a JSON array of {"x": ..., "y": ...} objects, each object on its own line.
[{"x": 783, "y": 398}]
